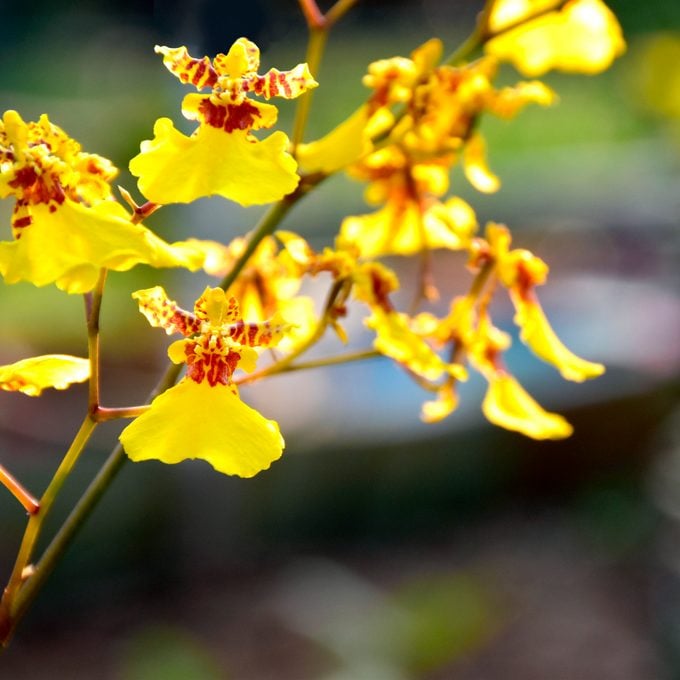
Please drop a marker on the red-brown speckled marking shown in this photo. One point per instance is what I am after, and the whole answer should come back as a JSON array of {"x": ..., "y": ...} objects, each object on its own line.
[
  {"x": 198, "y": 72},
  {"x": 252, "y": 334},
  {"x": 230, "y": 117},
  {"x": 213, "y": 361}
]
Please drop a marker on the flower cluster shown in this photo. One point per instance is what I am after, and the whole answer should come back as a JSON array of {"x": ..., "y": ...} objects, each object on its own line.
[
  {"x": 66, "y": 224},
  {"x": 420, "y": 118}
]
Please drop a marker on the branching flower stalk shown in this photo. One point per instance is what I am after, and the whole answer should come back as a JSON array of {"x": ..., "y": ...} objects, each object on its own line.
[{"x": 420, "y": 118}]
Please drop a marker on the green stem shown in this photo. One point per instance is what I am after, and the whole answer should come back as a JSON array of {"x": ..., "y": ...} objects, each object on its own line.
[
  {"x": 35, "y": 522},
  {"x": 32, "y": 585},
  {"x": 338, "y": 10},
  {"x": 271, "y": 219},
  {"x": 328, "y": 361},
  {"x": 24, "y": 587},
  {"x": 315, "y": 49}
]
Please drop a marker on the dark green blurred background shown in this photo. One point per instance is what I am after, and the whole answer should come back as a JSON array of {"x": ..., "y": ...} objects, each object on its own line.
[{"x": 378, "y": 547}]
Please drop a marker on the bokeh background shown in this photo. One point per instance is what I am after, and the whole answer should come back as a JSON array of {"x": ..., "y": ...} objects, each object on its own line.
[{"x": 378, "y": 547}]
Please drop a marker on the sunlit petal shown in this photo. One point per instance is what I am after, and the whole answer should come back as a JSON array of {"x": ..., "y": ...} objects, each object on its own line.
[
  {"x": 32, "y": 376},
  {"x": 508, "y": 405},
  {"x": 195, "y": 420}
]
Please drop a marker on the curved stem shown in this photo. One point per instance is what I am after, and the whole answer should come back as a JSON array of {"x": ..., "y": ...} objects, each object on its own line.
[
  {"x": 35, "y": 522},
  {"x": 319, "y": 26},
  {"x": 25, "y": 583},
  {"x": 103, "y": 414},
  {"x": 271, "y": 219},
  {"x": 15, "y": 609},
  {"x": 347, "y": 358}
]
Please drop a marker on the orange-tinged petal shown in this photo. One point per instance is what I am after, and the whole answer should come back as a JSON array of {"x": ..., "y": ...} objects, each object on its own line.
[
  {"x": 395, "y": 339},
  {"x": 508, "y": 101},
  {"x": 174, "y": 168},
  {"x": 583, "y": 37},
  {"x": 194, "y": 420},
  {"x": 441, "y": 407},
  {"x": 403, "y": 229},
  {"x": 162, "y": 312},
  {"x": 198, "y": 72},
  {"x": 68, "y": 246},
  {"x": 475, "y": 167},
  {"x": 32, "y": 376},
  {"x": 508, "y": 405},
  {"x": 537, "y": 333}
]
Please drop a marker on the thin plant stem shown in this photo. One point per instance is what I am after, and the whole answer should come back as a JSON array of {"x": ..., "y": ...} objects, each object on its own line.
[
  {"x": 347, "y": 358},
  {"x": 36, "y": 520},
  {"x": 82, "y": 510},
  {"x": 315, "y": 49},
  {"x": 338, "y": 10},
  {"x": 93, "y": 311},
  {"x": 281, "y": 365},
  {"x": 319, "y": 26},
  {"x": 17, "y": 489},
  {"x": 266, "y": 226},
  {"x": 103, "y": 414}
]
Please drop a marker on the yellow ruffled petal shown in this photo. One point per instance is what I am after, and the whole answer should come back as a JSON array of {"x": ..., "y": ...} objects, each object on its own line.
[
  {"x": 70, "y": 244},
  {"x": 508, "y": 405},
  {"x": 403, "y": 229},
  {"x": 583, "y": 37},
  {"x": 194, "y": 420},
  {"x": 537, "y": 333},
  {"x": 174, "y": 168},
  {"x": 340, "y": 147},
  {"x": 32, "y": 376},
  {"x": 475, "y": 167},
  {"x": 450, "y": 224}
]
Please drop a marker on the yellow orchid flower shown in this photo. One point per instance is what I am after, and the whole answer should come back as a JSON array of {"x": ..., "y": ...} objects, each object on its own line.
[
  {"x": 267, "y": 285},
  {"x": 222, "y": 157},
  {"x": 32, "y": 376},
  {"x": 202, "y": 416},
  {"x": 507, "y": 404},
  {"x": 66, "y": 225},
  {"x": 520, "y": 272},
  {"x": 583, "y": 36}
]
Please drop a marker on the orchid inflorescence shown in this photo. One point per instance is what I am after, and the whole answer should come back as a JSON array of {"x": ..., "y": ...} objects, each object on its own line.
[{"x": 420, "y": 118}]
